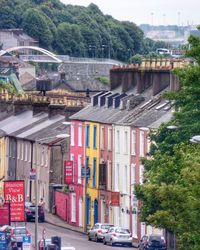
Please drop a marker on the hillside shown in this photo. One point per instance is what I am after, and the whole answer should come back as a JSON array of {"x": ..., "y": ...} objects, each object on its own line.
[{"x": 73, "y": 30}]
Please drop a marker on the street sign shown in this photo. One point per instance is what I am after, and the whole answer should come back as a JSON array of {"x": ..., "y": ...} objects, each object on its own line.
[
  {"x": 68, "y": 172},
  {"x": 26, "y": 246},
  {"x": 83, "y": 174},
  {"x": 14, "y": 193},
  {"x": 3, "y": 241},
  {"x": 26, "y": 239},
  {"x": 32, "y": 175},
  {"x": 26, "y": 242},
  {"x": 115, "y": 199},
  {"x": 5, "y": 213}
]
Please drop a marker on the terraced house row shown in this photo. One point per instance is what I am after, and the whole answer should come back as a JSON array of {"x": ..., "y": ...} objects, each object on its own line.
[{"x": 109, "y": 138}]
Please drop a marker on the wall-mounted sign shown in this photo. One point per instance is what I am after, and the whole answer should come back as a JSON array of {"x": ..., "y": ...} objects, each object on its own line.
[
  {"x": 115, "y": 199},
  {"x": 3, "y": 245},
  {"x": 14, "y": 194},
  {"x": 33, "y": 175},
  {"x": 68, "y": 172},
  {"x": 26, "y": 242},
  {"x": 85, "y": 172},
  {"x": 5, "y": 213}
]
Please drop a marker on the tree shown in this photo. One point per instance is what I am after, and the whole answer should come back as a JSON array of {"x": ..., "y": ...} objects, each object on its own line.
[
  {"x": 136, "y": 59},
  {"x": 170, "y": 192},
  {"x": 7, "y": 18},
  {"x": 35, "y": 25},
  {"x": 41, "y": 18},
  {"x": 7, "y": 86},
  {"x": 69, "y": 39}
]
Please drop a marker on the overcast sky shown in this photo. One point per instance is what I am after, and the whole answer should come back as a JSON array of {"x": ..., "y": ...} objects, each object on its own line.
[{"x": 148, "y": 11}]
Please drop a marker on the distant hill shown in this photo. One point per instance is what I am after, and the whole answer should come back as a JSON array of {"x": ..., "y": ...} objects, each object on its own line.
[{"x": 74, "y": 30}]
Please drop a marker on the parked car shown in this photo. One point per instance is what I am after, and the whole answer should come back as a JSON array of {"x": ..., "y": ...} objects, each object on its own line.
[
  {"x": 17, "y": 234},
  {"x": 30, "y": 212},
  {"x": 97, "y": 232},
  {"x": 118, "y": 235},
  {"x": 152, "y": 242},
  {"x": 135, "y": 241}
]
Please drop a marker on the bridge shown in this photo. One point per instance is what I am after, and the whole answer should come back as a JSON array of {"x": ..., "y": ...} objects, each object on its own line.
[{"x": 50, "y": 57}]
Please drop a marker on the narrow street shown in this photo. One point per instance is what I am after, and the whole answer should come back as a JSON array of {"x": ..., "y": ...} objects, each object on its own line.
[{"x": 69, "y": 238}]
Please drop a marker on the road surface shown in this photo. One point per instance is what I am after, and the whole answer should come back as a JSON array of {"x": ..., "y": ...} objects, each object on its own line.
[{"x": 69, "y": 238}]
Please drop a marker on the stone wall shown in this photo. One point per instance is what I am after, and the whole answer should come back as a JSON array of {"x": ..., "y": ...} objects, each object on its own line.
[{"x": 82, "y": 76}]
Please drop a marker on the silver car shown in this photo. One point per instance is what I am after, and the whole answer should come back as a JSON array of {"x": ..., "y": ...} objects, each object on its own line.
[
  {"x": 97, "y": 232},
  {"x": 118, "y": 235}
]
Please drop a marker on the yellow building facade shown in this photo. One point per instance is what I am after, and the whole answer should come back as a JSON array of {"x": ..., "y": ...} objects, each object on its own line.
[{"x": 92, "y": 162}]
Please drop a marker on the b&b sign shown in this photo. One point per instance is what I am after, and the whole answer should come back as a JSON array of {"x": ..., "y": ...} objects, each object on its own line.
[
  {"x": 14, "y": 193},
  {"x": 68, "y": 172}
]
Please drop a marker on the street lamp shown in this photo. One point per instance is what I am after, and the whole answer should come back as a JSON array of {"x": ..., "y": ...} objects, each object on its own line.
[
  {"x": 103, "y": 46},
  {"x": 93, "y": 48},
  {"x": 37, "y": 143}
]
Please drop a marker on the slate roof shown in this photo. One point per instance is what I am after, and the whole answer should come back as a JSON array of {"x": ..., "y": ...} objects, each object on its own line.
[
  {"x": 139, "y": 110},
  {"x": 15, "y": 123},
  {"x": 2, "y": 133},
  {"x": 45, "y": 131},
  {"x": 29, "y": 127}
]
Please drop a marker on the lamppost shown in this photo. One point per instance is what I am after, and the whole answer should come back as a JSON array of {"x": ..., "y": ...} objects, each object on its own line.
[
  {"x": 102, "y": 50},
  {"x": 37, "y": 143},
  {"x": 93, "y": 48}
]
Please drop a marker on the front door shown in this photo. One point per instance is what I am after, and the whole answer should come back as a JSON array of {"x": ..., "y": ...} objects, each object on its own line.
[
  {"x": 87, "y": 210},
  {"x": 95, "y": 211},
  {"x": 80, "y": 212}
]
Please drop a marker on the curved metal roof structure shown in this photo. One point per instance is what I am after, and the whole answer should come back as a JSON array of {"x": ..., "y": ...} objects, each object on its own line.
[{"x": 44, "y": 51}]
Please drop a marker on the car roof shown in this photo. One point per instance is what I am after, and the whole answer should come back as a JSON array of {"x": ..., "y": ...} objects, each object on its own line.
[
  {"x": 153, "y": 235},
  {"x": 4, "y": 227},
  {"x": 120, "y": 228},
  {"x": 103, "y": 224},
  {"x": 19, "y": 227}
]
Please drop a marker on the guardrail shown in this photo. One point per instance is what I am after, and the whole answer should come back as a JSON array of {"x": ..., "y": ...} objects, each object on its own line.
[{"x": 66, "y": 58}]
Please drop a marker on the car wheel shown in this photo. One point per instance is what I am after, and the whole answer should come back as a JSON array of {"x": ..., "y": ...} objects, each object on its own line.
[
  {"x": 89, "y": 237},
  {"x": 96, "y": 238},
  {"x": 130, "y": 245},
  {"x": 104, "y": 241}
]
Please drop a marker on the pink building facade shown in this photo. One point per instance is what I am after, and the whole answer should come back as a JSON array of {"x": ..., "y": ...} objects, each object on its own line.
[
  {"x": 76, "y": 188},
  {"x": 139, "y": 149},
  {"x": 105, "y": 173}
]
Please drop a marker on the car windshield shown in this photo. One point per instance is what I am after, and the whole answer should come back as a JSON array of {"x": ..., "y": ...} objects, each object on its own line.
[
  {"x": 106, "y": 226},
  {"x": 18, "y": 231},
  {"x": 122, "y": 231},
  {"x": 27, "y": 204}
]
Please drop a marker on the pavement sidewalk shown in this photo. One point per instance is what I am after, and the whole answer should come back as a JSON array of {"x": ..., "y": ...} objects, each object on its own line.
[{"x": 55, "y": 220}]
